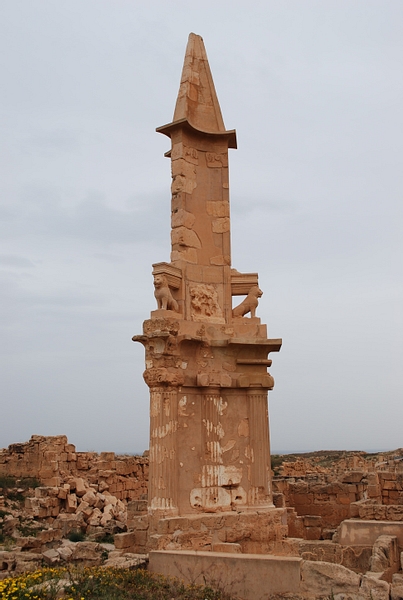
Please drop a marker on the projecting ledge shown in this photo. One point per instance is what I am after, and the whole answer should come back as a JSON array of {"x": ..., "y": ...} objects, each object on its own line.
[
  {"x": 273, "y": 345},
  {"x": 185, "y": 124}
]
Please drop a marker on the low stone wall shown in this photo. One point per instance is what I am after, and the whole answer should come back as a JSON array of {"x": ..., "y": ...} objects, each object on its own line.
[
  {"x": 52, "y": 460},
  {"x": 254, "y": 577},
  {"x": 249, "y": 577}
]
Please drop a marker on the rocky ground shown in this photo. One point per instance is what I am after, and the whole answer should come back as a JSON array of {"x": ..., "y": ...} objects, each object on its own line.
[{"x": 73, "y": 523}]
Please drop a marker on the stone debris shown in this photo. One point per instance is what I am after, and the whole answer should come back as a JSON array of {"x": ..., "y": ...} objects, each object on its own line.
[
  {"x": 15, "y": 562},
  {"x": 56, "y": 463}
]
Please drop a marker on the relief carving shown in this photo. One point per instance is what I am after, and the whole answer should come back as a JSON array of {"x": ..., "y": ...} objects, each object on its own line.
[
  {"x": 216, "y": 160},
  {"x": 170, "y": 326},
  {"x": 188, "y": 153},
  {"x": 249, "y": 304},
  {"x": 163, "y": 295},
  {"x": 157, "y": 376},
  {"x": 204, "y": 301}
]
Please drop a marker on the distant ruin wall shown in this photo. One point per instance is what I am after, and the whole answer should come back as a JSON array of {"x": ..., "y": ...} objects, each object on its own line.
[
  {"x": 335, "y": 497},
  {"x": 53, "y": 460}
]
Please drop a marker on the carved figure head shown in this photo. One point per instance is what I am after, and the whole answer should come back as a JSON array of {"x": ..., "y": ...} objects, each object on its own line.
[
  {"x": 256, "y": 291},
  {"x": 160, "y": 281}
]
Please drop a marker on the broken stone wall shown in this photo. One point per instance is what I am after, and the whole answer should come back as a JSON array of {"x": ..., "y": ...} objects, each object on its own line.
[
  {"x": 52, "y": 460},
  {"x": 318, "y": 502},
  {"x": 322, "y": 495}
]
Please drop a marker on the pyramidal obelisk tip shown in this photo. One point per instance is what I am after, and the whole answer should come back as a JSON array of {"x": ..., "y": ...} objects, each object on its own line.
[{"x": 197, "y": 100}]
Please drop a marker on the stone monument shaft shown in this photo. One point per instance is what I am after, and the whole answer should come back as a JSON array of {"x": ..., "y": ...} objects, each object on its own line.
[{"x": 206, "y": 362}]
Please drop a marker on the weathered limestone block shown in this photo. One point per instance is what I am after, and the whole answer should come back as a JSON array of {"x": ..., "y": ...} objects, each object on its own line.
[
  {"x": 79, "y": 485},
  {"x": 182, "y": 218},
  {"x": 226, "y": 547},
  {"x": 28, "y": 543},
  {"x": 71, "y": 503},
  {"x": 126, "y": 560},
  {"x": 90, "y": 497},
  {"x": 105, "y": 519},
  {"x": 9, "y": 524},
  {"x": 322, "y": 578},
  {"x": 142, "y": 523},
  {"x": 385, "y": 557},
  {"x": 187, "y": 254},
  {"x": 49, "y": 535},
  {"x": 95, "y": 518},
  {"x": 221, "y": 225},
  {"x": 182, "y": 184},
  {"x": 88, "y": 553},
  {"x": 353, "y": 477},
  {"x": 51, "y": 557},
  {"x": 64, "y": 552},
  {"x": 183, "y": 236},
  {"x": 374, "y": 588},
  {"x": 217, "y": 208},
  {"x": 63, "y": 491},
  {"x": 20, "y": 562},
  {"x": 69, "y": 522},
  {"x": 103, "y": 486},
  {"x": 181, "y": 167},
  {"x": 125, "y": 540}
]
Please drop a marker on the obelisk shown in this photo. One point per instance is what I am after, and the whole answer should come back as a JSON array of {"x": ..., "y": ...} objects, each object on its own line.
[{"x": 206, "y": 362}]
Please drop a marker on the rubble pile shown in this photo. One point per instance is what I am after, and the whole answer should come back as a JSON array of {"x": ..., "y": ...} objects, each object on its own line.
[
  {"x": 52, "y": 460},
  {"x": 49, "y": 492}
]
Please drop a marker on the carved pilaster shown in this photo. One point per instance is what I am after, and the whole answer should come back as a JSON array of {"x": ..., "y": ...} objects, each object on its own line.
[
  {"x": 212, "y": 435},
  {"x": 260, "y": 478},
  {"x": 163, "y": 486}
]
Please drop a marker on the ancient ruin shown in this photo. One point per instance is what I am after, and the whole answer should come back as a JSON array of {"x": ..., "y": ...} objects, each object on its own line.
[
  {"x": 321, "y": 525},
  {"x": 206, "y": 362}
]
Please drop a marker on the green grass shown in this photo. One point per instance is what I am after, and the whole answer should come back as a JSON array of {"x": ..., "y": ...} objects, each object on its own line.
[{"x": 95, "y": 583}]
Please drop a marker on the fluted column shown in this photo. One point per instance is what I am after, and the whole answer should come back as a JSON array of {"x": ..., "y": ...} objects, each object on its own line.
[
  {"x": 212, "y": 434},
  {"x": 260, "y": 476},
  {"x": 163, "y": 478}
]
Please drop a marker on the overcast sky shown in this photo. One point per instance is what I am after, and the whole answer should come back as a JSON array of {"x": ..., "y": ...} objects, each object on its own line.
[{"x": 315, "y": 92}]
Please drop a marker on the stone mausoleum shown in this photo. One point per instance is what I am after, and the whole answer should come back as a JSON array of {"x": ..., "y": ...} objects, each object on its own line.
[{"x": 206, "y": 352}]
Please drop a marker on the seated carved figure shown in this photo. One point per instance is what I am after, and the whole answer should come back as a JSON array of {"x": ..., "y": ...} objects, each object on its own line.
[
  {"x": 249, "y": 304},
  {"x": 163, "y": 295}
]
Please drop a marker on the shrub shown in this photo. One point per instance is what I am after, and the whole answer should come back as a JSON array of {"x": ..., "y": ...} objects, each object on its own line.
[
  {"x": 107, "y": 538},
  {"x": 76, "y": 536},
  {"x": 6, "y": 482}
]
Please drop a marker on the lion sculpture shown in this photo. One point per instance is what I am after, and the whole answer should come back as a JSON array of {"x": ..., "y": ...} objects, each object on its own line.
[
  {"x": 249, "y": 304},
  {"x": 163, "y": 295}
]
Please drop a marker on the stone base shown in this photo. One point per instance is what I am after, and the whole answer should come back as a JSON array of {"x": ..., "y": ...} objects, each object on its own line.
[
  {"x": 254, "y": 532},
  {"x": 251, "y": 577}
]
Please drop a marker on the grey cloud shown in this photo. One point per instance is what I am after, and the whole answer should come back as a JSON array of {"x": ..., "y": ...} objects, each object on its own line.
[
  {"x": 9, "y": 260},
  {"x": 91, "y": 220},
  {"x": 53, "y": 140}
]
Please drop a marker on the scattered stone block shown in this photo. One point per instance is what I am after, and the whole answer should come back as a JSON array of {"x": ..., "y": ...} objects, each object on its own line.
[
  {"x": 320, "y": 578},
  {"x": 51, "y": 557},
  {"x": 124, "y": 540}
]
